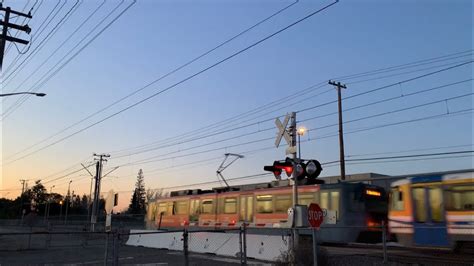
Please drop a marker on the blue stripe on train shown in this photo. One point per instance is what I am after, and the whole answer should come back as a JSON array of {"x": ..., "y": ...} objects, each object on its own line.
[{"x": 426, "y": 179}]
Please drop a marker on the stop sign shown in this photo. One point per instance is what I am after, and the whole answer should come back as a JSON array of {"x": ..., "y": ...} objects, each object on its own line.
[{"x": 315, "y": 215}]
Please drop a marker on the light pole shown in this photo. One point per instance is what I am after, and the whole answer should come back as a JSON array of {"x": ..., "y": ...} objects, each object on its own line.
[
  {"x": 49, "y": 200},
  {"x": 39, "y": 94},
  {"x": 301, "y": 132},
  {"x": 68, "y": 201},
  {"x": 60, "y": 209}
]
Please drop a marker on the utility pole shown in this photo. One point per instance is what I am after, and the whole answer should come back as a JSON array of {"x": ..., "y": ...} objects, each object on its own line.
[
  {"x": 98, "y": 177},
  {"x": 6, "y": 25},
  {"x": 68, "y": 197},
  {"x": 23, "y": 183},
  {"x": 89, "y": 200},
  {"x": 292, "y": 130},
  {"x": 342, "y": 161}
]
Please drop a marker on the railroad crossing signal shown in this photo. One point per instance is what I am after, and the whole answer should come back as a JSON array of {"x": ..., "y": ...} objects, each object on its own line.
[
  {"x": 311, "y": 169},
  {"x": 282, "y": 131}
]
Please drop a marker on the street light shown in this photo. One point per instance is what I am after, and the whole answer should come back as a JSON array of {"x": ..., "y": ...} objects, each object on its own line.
[
  {"x": 301, "y": 131},
  {"x": 49, "y": 202},
  {"x": 68, "y": 200},
  {"x": 39, "y": 94}
]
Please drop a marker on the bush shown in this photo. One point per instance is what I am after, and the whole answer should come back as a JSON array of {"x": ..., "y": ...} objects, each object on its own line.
[{"x": 304, "y": 256}]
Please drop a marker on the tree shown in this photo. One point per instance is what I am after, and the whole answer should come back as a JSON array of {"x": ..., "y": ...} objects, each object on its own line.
[
  {"x": 137, "y": 203},
  {"x": 37, "y": 195}
]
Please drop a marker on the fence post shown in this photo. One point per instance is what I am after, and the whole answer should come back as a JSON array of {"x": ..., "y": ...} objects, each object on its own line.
[
  {"x": 315, "y": 248},
  {"x": 384, "y": 242},
  {"x": 185, "y": 246},
  {"x": 244, "y": 238},
  {"x": 241, "y": 245},
  {"x": 106, "y": 248},
  {"x": 116, "y": 241}
]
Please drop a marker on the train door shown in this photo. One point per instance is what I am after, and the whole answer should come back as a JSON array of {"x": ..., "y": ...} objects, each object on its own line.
[
  {"x": 246, "y": 208},
  {"x": 429, "y": 218}
]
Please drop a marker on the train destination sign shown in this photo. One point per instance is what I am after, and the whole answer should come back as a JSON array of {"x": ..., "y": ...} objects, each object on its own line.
[{"x": 315, "y": 215}]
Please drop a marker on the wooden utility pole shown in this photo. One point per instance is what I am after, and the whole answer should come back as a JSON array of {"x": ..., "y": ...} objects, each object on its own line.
[
  {"x": 6, "y": 25},
  {"x": 98, "y": 177},
  {"x": 342, "y": 161},
  {"x": 23, "y": 183}
]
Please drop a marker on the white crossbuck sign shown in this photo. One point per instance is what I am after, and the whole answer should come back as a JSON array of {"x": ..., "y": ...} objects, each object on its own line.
[{"x": 282, "y": 132}]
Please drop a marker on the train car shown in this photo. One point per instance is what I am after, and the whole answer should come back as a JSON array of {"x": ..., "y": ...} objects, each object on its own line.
[
  {"x": 355, "y": 205},
  {"x": 433, "y": 211}
]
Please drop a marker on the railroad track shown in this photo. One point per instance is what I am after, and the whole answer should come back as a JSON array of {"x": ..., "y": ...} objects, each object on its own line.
[{"x": 404, "y": 255}]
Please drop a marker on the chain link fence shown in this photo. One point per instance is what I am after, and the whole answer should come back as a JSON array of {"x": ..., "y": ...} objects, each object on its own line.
[{"x": 190, "y": 246}]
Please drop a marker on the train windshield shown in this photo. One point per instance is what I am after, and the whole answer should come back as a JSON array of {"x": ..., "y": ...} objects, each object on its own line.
[{"x": 375, "y": 200}]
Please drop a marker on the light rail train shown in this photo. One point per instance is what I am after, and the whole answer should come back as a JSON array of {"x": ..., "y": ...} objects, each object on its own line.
[
  {"x": 433, "y": 211},
  {"x": 356, "y": 206}
]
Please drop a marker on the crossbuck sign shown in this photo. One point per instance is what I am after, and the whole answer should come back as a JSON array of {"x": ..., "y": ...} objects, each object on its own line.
[{"x": 282, "y": 132}]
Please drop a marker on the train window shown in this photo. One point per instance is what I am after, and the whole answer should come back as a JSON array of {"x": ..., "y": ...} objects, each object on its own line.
[
  {"x": 194, "y": 210},
  {"x": 207, "y": 206},
  {"x": 396, "y": 199},
  {"x": 265, "y": 204},
  {"x": 151, "y": 212},
  {"x": 230, "y": 205},
  {"x": 306, "y": 199},
  {"x": 435, "y": 195},
  {"x": 194, "y": 207},
  {"x": 419, "y": 199},
  {"x": 460, "y": 198},
  {"x": 335, "y": 202},
  {"x": 324, "y": 200},
  {"x": 162, "y": 208},
  {"x": 181, "y": 207},
  {"x": 282, "y": 203}
]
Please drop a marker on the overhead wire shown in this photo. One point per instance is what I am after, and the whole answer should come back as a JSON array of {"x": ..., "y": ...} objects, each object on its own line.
[
  {"x": 59, "y": 46},
  {"x": 43, "y": 42},
  {"x": 40, "y": 30},
  {"x": 16, "y": 21},
  {"x": 430, "y": 89},
  {"x": 271, "y": 119},
  {"x": 31, "y": 55},
  {"x": 60, "y": 65},
  {"x": 407, "y": 121},
  {"x": 183, "y": 80},
  {"x": 154, "y": 158},
  {"x": 212, "y": 126},
  {"x": 326, "y": 164},
  {"x": 163, "y": 76},
  {"x": 351, "y": 132}
]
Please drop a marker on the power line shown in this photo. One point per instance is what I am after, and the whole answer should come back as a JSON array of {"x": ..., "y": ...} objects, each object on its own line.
[
  {"x": 151, "y": 159},
  {"x": 164, "y": 76},
  {"x": 46, "y": 39},
  {"x": 269, "y": 174},
  {"x": 31, "y": 55},
  {"x": 409, "y": 65},
  {"x": 175, "y": 70},
  {"x": 15, "y": 22},
  {"x": 284, "y": 97},
  {"x": 63, "y": 64},
  {"x": 351, "y": 132},
  {"x": 271, "y": 119},
  {"x": 58, "y": 48},
  {"x": 40, "y": 30},
  {"x": 411, "y": 150},
  {"x": 183, "y": 80},
  {"x": 388, "y": 86},
  {"x": 214, "y": 125}
]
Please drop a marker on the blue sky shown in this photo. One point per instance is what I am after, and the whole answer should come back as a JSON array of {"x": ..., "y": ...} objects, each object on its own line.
[{"x": 154, "y": 37}]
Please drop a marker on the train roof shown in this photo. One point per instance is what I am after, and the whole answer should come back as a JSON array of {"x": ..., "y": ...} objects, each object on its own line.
[{"x": 435, "y": 177}]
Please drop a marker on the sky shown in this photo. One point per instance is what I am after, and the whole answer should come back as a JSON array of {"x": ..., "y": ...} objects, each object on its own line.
[{"x": 152, "y": 38}]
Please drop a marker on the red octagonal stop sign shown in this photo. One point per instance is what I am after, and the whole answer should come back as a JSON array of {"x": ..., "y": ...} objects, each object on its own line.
[{"x": 315, "y": 215}]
